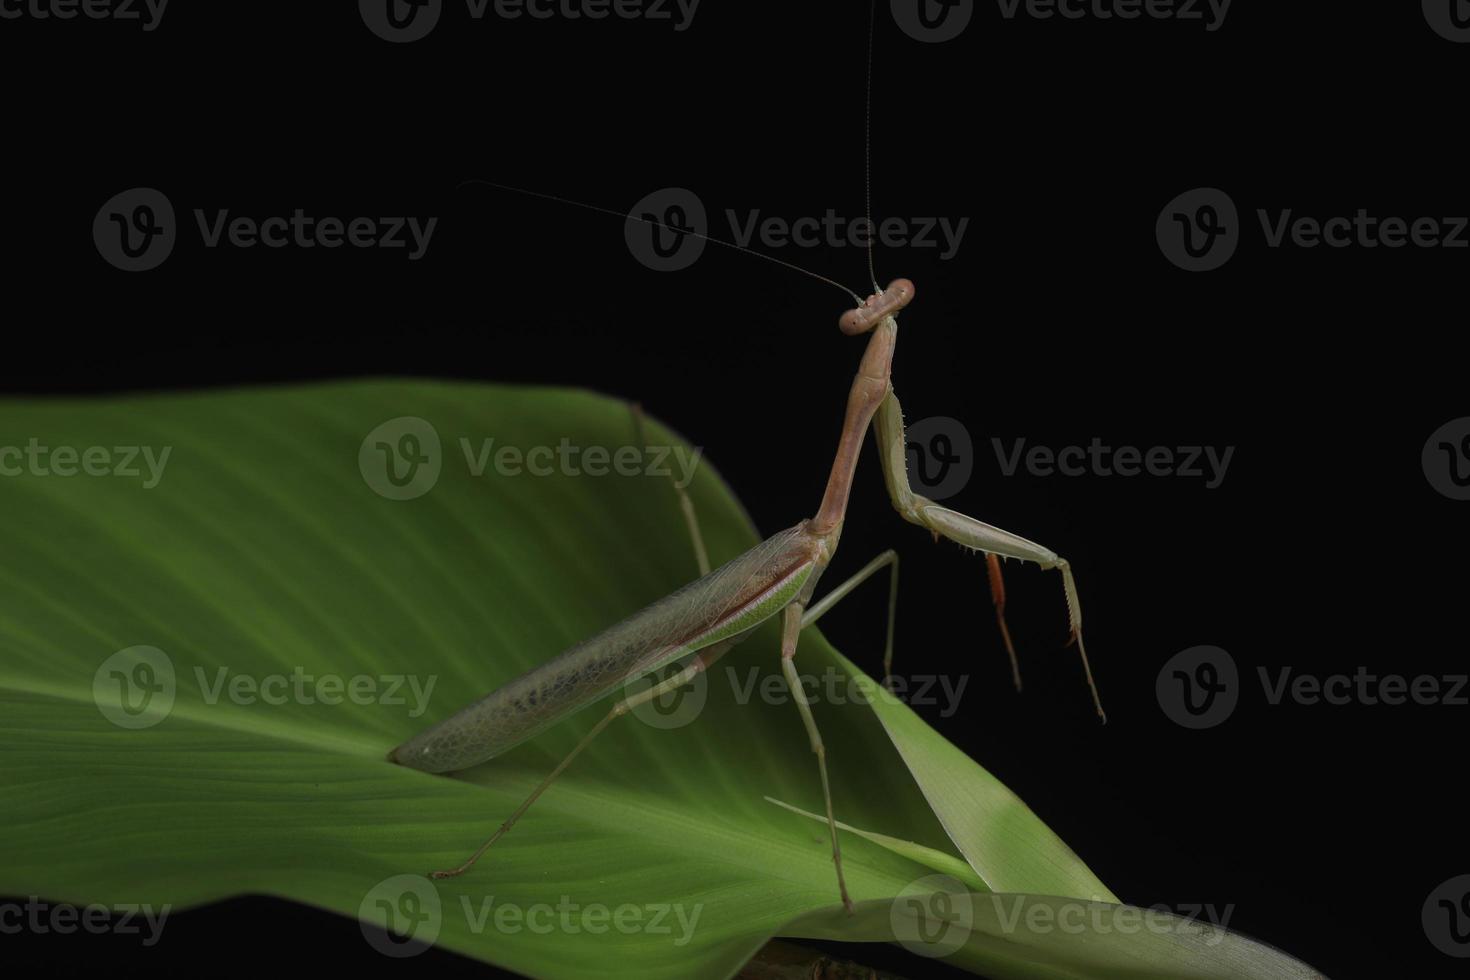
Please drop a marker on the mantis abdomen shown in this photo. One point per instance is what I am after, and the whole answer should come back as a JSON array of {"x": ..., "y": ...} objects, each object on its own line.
[{"x": 729, "y": 601}]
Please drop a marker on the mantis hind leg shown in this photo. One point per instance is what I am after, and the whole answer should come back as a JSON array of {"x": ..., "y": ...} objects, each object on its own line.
[
  {"x": 696, "y": 665},
  {"x": 972, "y": 534},
  {"x": 686, "y": 504}
]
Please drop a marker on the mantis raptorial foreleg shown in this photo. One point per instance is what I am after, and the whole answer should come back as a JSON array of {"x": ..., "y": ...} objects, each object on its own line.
[
  {"x": 998, "y": 598},
  {"x": 970, "y": 533},
  {"x": 696, "y": 665}
]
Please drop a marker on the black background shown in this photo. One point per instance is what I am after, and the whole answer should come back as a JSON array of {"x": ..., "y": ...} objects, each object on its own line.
[{"x": 1059, "y": 320}]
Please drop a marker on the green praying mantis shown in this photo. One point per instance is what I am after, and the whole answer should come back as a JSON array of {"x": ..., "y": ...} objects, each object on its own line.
[{"x": 697, "y": 624}]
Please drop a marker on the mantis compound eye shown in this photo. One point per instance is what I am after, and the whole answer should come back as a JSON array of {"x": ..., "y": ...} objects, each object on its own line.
[{"x": 876, "y": 307}]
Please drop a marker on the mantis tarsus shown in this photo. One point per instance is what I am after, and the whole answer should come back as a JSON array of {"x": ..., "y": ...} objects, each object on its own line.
[{"x": 704, "y": 619}]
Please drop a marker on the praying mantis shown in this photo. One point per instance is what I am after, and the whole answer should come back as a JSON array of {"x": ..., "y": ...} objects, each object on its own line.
[
  {"x": 701, "y": 622},
  {"x": 698, "y": 624}
]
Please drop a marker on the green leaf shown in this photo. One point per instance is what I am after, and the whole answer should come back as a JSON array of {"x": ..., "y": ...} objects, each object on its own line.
[
  {"x": 1036, "y": 937},
  {"x": 308, "y": 623},
  {"x": 945, "y": 864},
  {"x": 1010, "y": 849}
]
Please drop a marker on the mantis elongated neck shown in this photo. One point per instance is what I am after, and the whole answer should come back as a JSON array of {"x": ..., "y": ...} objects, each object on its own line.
[{"x": 869, "y": 388}]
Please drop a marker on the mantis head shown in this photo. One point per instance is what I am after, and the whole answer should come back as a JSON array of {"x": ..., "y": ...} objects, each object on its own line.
[{"x": 877, "y": 306}]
